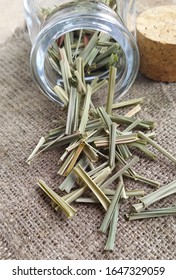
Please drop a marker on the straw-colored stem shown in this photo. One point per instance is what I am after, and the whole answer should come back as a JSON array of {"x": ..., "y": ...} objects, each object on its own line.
[
  {"x": 126, "y": 103},
  {"x": 109, "y": 214},
  {"x": 85, "y": 115},
  {"x": 120, "y": 172},
  {"x": 66, "y": 208},
  {"x": 111, "y": 88},
  {"x": 160, "y": 212},
  {"x": 74, "y": 159},
  {"x": 157, "y": 146},
  {"x": 91, "y": 184}
]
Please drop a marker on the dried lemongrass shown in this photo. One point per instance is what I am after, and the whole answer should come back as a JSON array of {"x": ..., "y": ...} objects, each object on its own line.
[
  {"x": 112, "y": 230},
  {"x": 70, "y": 181},
  {"x": 119, "y": 119},
  {"x": 126, "y": 103},
  {"x": 123, "y": 161},
  {"x": 134, "y": 111},
  {"x": 66, "y": 163},
  {"x": 95, "y": 170},
  {"x": 85, "y": 115},
  {"x": 66, "y": 208},
  {"x": 74, "y": 195},
  {"x": 121, "y": 139},
  {"x": 87, "y": 200},
  {"x": 112, "y": 206},
  {"x": 90, "y": 153},
  {"x": 71, "y": 111},
  {"x": 151, "y": 198},
  {"x": 74, "y": 159},
  {"x": 91, "y": 184},
  {"x": 104, "y": 116},
  {"x": 132, "y": 126},
  {"x": 123, "y": 192},
  {"x": 62, "y": 94},
  {"x": 102, "y": 176},
  {"x": 98, "y": 85},
  {"x": 142, "y": 179},
  {"x": 67, "y": 44},
  {"x": 39, "y": 145},
  {"x": 144, "y": 150},
  {"x": 157, "y": 146},
  {"x": 92, "y": 43},
  {"x": 112, "y": 145},
  {"x": 111, "y": 88},
  {"x": 78, "y": 43},
  {"x": 119, "y": 173},
  {"x": 93, "y": 131},
  {"x": 114, "y": 48},
  {"x": 81, "y": 86},
  {"x": 154, "y": 213}
]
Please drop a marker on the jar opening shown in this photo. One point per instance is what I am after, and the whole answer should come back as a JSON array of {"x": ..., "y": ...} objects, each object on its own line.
[
  {"x": 90, "y": 52},
  {"x": 98, "y": 20}
]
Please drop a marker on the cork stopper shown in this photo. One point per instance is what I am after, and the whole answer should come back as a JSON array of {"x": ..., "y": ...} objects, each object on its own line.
[{"x": 156, "y": 37}]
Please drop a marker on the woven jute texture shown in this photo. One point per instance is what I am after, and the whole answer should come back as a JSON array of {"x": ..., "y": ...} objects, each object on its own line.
[{"x": 30, "y": 228}]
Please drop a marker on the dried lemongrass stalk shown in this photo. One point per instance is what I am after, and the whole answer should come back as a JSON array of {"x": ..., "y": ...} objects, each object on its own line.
[
  {"x": 74, "y": 159},
  {"x": 126, "y": 103},
  {"x": 66, "y": 163},
  {"x": 111, "y": 88},
  {"x": 98, "y": 85},
  {"x": 72, "y": 196},
  {"x": 119, "y": 119},
  {"x": 155, "y": 196},
  {"x": 70, "y": 181},
  {"x": 132, "y": 126},
  {"x": 87, "y": 200},
  {"x": 123, "y": 192},
  {"x": 85, "y": 115},
  {"x": 92, "y": 43},
  {"x": 110, "y": 243},
  {"x": 67, "y": 43},
  {"x": 62, "y": 94},
  {"x": 71, "y": 111},
  {"x": 102, "y": 176},
  {"x": 134, "y": 111},
  {"x": 112, "y": 206},
  {"x": 90, "y": 153},
  {"x": 98, "y": 168},
  {"x": 144, "y": 150},
  {"x": 112, "y": 145},
  {"x": 120, "y": 172},
  {"x": 104, "y": 116},
  {"x": 91, "y": 184},
  {"x": 157, "y": 146},
  {"x": 78, "y": 43},
  {"x": 154, "y": 213},
  {"x": 142, "y": 179},
  {"x": 40, "y": 143},
  {"x": 66, "y": 208},
  {"x": 121, "y": 139},
  {"x": 81, "y": 85}
]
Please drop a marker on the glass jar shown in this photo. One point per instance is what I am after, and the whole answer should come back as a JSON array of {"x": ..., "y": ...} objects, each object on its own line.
[
  {"x": 48, "y": 20},
  {"x": 156, "y": 38}
]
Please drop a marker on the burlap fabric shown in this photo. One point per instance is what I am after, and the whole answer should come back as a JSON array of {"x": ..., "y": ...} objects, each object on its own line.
[{"x": 30, "y": 228}]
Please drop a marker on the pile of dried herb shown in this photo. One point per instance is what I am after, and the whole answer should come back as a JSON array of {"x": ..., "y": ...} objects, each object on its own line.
[
  {"x": 98, "y": 155},
  {"x": 98, "y": 143}
]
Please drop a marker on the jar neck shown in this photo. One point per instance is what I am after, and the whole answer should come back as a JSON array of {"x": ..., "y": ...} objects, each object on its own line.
[{"x": 76, "y": 16}]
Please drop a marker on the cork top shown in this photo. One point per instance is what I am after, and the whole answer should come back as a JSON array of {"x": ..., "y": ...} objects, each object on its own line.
[{"x": 158, "y": 24}]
